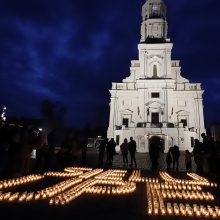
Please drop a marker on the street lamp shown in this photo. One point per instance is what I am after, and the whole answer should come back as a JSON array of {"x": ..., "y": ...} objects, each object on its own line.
[{"x": 3, "y": 117}]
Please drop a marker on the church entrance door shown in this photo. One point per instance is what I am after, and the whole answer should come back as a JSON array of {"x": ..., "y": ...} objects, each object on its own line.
[
  {"x": 157, "y": 142},
  {"x": 155, "y": 118}
]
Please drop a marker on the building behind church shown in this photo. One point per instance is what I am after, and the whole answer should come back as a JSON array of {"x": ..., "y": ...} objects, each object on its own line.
[{"x": 155, "y": 103}]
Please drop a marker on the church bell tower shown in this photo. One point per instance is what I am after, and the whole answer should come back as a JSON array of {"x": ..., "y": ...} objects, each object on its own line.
[{"x": 154, "y": 25}]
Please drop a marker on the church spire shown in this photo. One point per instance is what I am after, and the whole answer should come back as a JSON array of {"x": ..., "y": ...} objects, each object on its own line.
[{"x": 154, "y": 25}]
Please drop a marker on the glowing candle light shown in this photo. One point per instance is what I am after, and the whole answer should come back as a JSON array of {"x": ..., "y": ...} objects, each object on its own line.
[
  {"x": 176, "y": 209},
  {"x": 169, "y": 209}
]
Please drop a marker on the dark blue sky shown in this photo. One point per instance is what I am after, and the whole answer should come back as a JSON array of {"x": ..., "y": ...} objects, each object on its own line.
[{"x": 70, "y": 51}]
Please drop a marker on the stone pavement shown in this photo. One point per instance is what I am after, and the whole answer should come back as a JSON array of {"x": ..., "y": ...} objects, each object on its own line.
[{"x": 143, "y": 161}]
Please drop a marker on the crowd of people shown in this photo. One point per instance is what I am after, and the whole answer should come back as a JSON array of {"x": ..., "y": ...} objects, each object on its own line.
[
  {"x": 21, "y": 141},
  {"x": 126, "y": 147},
  {"x": 28, "y": 149},
  {"x": 206, "y": 154}
]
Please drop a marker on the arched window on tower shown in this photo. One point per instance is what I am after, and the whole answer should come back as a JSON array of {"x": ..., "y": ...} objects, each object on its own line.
[
  {"x": 155, "y": 11},
  {"x": 155, "y": 71}
]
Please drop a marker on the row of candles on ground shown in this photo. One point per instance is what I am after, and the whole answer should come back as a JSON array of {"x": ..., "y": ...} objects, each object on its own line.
[
  {"x": 69, "y": 172},
  {"x": 93, "y": 186},
  {"x": 168, "y": 185},
  {"x": 172, "y": 191},
  {"x": 202, "y": 180},
  {"x": 84, "y": 173},
  {"x": 111, "y": 190},
  {"x": 41, "y": 194},
  {"x": 73, "y": 193},
  {"x": 91, "y": 173},
  {"x": 197, "y": 180},
  {"x": 156, "y": 206},
  {"x": 20, "y": 181},
  {"x": 114, "y": 175},
  {"x": 63, "y": 174},
  {"x": 49, "y": 192},
  {"x": 192, "y": 195},
  {"x": 90, "y": 186},
  {"x": 136, "y": 177},
  {"x": 61, "y": 187},
  {"x": 193, "y": 211},
  {"x": 77, "y": 169},
  {"x": 111, "y": 177},
  {"x": 111, "y": 182}
]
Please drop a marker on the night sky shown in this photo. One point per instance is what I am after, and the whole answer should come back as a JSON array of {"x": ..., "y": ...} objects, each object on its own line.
[{"x": 71, "y": 51}]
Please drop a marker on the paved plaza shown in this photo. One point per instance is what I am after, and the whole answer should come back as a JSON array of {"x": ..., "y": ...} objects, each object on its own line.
[{"x": 143, "y": 161}]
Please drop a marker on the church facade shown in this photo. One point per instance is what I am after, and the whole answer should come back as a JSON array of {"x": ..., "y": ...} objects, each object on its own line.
[{"x": 155, "y": 102}]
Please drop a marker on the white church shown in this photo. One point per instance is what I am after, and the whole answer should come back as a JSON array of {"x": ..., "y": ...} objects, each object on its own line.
[{"x": 155, "y": 101}]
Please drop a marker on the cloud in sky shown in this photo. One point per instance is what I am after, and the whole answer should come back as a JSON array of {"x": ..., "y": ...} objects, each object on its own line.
[{"x": 71, "y": 51}]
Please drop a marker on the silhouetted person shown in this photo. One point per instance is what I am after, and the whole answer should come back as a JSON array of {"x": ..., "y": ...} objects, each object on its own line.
[
  {"x": 110, "y": 151},
  {"x": 74, "y": 150},
  {"x": 62, "y": 157},
  {"x": 217, "y": 158},
  {"x": 154, "y": 152},
  {"x": 175, "y": 154},
  {"x": 102, "y": 148},
  {"x": 41, "y": 151},
  {"x": 188, "y": 161},
  {"x": 5, "y": 148},
  {"x": 213, "y": 156},
  {"x": 169, "y": 159},
  {"x": 124, "y": 151},
  {"x": 28, "y": 141},
  {"x": 198, "y": 156},
  {"x": 206, "y": 150},
  {"x": 13, "y": 150},
  {"x": 83, "y": 145},
  {"x": 50, "y": 154},
  {"x": 132, "y": 146},
  {"x": 205, "y": 139},
  {"x": 209, "y": 147}
]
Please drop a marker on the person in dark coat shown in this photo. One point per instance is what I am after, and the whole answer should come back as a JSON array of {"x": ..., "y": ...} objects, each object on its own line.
[
  {"x": 132, "y": 146},
  {"x": 175, "y": 154},
  {"x": 124, "y": 151},
  {"x": 28, "y": 141},
  {"x": 110, "y": 151},
  {"x": 41, "y": 150},
  {"x": 188, "y": 161},
  {"x": 83, "y": 145},
  {"x": 154, "y": 152},
  {"x": 198, "y": 153},
  {"x": 13, "y": 151},
  {"x": 169, "y": 159},
  {"x": 102, "y": 148}
]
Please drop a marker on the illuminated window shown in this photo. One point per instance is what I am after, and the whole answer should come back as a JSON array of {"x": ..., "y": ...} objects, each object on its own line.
[{"x": 155, "y": 10}]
